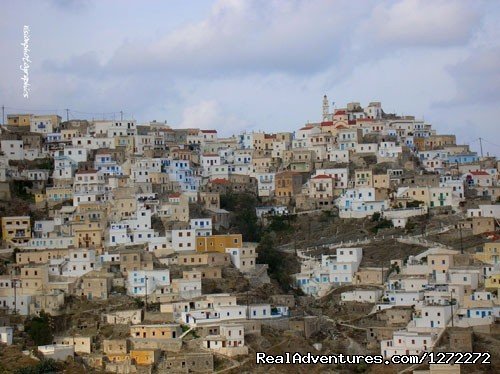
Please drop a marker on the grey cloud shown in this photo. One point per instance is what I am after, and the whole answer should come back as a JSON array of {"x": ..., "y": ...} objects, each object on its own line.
[
  {"x": 477, "y": 78},
  {"x": 421, "y": 23},
  {"x": 71, "y": 5},
  {"x": 241, "y": 36}
]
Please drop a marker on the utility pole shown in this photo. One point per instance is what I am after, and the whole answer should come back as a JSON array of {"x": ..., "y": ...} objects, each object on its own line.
[
  {"x": 481, "y": 146},
  {"x": 121, "y": 115},
  {"x": 248, "y": 311},
  {"x": 461, "y": 238},
  {"x": 451, "y": 306},
  {"x": 146, "y": 296},
  {"x": 382, "y": 280},
  {"x": 67, "y": 115},
  {"x": 3, "y": 115},
  {"x": 14, "y": 284}
]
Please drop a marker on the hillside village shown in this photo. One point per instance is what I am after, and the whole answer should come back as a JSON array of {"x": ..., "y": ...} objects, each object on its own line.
[{"x": 139, "y": 248}]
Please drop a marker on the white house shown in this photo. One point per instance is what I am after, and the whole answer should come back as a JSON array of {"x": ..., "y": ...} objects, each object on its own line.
[
  {"x": 259, "y": 311},
  {"x": 407, "y": 343},
  {"x": 202, "y": 226},
  {"x": 361, "y": 296},
  {"x": 433, "y": 316},
  {"x": 183, "y": 240},
  {"x": 142, "y": 282},
  {"x": 12, "y": 149},
  {"x": 6, "y": 335},
  {"x": 359, "y": 203},
  {"x": 57, "y": 351}
]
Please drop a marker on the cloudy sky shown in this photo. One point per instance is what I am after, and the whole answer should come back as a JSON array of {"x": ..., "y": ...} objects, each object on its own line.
[{"x": 257, "y": 65}]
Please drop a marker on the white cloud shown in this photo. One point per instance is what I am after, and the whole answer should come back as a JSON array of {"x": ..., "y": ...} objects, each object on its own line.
[
  {"x": 249, "y": 36},
  {"x": 412, "y": 23},
  {"x": 207, "y": 114}
]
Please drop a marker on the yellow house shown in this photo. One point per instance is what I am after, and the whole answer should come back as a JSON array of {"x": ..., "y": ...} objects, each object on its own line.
[
  {"x": 58, "y": 194},
  {"x": 34, "y": 278},
  {"x": 193, "y": 258},
  {"x": 490, "y": 253},
  {"x": 363, "y": 178},
  {"x": 118, "y": 347},
  {"x": 492, "y": 283},
  {"x": 381, "y": 181},
  {"x": 157, "y": 331},
  {"x": 68, "y": 134},
  {"x": 145, "y": 356},
  {"x": 439, "y": 260},
  {"x": 39, "y": 256},
  {"x": 40, "y": 197},
  {"x": 418, "y": 193},
  {"x": 16, "y": 229},
  {"x": 88, "y": 234},
  {"x": 19, "y": 119},
  {"x": 218, "y": 243}
]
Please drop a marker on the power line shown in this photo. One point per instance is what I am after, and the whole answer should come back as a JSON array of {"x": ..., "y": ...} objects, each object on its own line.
[{"x": 487, "y": 141}]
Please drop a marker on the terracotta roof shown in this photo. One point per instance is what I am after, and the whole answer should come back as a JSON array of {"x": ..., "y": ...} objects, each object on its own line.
[
  {"x": 176, "y": 194},
  {"x": 220, "y": 181},
  {"x": 322, "y": 176},
  {"x": 327, "y": 123},
  {"x": 479, "y": 172},
  {"x": 209, "y": 131},
  {"x": 339, "y": 112},
  {"x": 89, "y": 171},
  {"x": 308, "y": 127},
  {"x": 103, "y": 151}
]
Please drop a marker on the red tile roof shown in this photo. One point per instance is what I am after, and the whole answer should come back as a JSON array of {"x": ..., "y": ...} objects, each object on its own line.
[
  {"x": 479, "y": 172},
  {"x": 340, "y": 126},
  {"x": 220, "y": 181},
  {"x": 209, "y": 131},
  {"x": 308, "y": 127},
  {"x": 339, "y": 112},
  {"x": 327, "y": 123},
  {"x": 90, "y": 171},
  {"x": 322, "y": 176}
]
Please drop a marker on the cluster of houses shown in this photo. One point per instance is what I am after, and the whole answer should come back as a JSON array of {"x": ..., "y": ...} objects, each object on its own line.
[
  {"x": 425, "y": 294},
  {"x": 118, "y": 198}
]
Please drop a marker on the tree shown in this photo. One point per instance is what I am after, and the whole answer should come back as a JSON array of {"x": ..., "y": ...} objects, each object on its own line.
[
  {"x": 43, "y": 367},
  {"x": 245, "y": 219},
  {"x": 278, "y": 268},
  {"x": 40, "y": 329}
]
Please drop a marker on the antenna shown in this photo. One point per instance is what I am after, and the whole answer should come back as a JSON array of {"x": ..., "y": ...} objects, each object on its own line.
[
  {"x": 67, "y": 115},
  {"x": 481, "y": 145}
]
